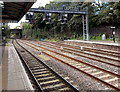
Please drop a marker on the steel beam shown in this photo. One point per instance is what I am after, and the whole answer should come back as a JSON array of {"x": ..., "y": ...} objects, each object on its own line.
[{"x": 57, "y": 11}]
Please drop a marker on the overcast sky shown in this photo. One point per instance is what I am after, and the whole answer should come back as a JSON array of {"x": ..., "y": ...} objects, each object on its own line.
[{"x": 35, "y": 5}]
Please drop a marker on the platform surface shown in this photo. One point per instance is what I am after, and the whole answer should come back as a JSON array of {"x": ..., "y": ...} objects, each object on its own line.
[
  {"x": 14, "y": 76},
  {"x": 0, "y": 68},
  {"x": 98, "y": 42}
]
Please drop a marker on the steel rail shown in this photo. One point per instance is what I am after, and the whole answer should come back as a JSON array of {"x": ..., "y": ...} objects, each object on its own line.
[
  {"x": 74, "y": 88},
  {"x": 105, "y": 53},
  {"x": 117, "y": 75},
  {"x": 102, "y": 50},
  {"x": 78, "y": 48},
  {"x": 85, "y": 73},
  {"x": 28, "y": 68},
  {"x": 69, "y": 51}
]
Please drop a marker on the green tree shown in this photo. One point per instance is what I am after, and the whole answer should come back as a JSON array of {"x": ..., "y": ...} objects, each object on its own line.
[{"x": 99, "y": 15}]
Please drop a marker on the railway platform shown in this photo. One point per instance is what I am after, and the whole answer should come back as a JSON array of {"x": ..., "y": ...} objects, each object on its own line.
[
  {"x": 108, "y": 45},
  {"x": 13, "y": 73},
  {"x": 99, "y": 42}
]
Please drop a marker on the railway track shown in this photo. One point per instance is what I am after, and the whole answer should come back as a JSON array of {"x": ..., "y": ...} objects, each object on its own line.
[
  {"x": 104, "y": 76},
  {"x": 46, "y": 79},
  {"x": 95, "y": 50},
  {"x": 77, "y": 52}
]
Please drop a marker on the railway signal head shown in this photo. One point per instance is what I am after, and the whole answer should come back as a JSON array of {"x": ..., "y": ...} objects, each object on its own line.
[
  {"x": 3, "y": 31},
  {"x": 49, "y": 21},
  {"x": 47, "y": 18},
  {"x": 3, "y": 28},
  {"x": 29, "y": 16},
  {"x": 63, "y": 18}
]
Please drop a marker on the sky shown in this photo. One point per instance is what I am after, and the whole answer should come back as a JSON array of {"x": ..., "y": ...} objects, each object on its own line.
[{"x": 35, "y": 5}]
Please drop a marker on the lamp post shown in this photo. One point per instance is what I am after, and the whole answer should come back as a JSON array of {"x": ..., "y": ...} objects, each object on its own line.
[{"x": 113, "y": 27}]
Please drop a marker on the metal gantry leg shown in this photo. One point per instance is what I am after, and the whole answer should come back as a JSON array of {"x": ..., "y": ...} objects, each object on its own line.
[{"x": 85, "y": 27}]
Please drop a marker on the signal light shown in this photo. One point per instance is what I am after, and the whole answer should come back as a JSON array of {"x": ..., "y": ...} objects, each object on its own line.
[
  {"x": 3, "y": 31},
  {"x": 64, "y": 21},
  {"x": 29, "y": 16},
  {"x": 63, "y": 18},
  {"x": 47, "y": 18},
  {"x": 3, "y": 28}
]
